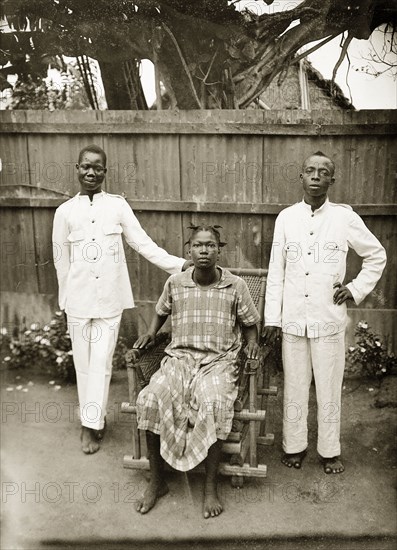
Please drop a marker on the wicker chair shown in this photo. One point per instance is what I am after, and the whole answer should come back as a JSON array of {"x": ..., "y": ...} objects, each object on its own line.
[{"x": 249, "y": 424}]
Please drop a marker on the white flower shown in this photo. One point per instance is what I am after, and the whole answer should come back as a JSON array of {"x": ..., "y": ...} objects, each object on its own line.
[
  {"x": 370, "y": 389},
  {"x": 58, "y": 313},
  {"x": 59, "y": 360},
  {"x": 37, "y": 338},
  {"x": 34, "y": 326},
  {"x": 57, "y": 388},
  {"x": 383, "y": 369},
  {"x": 25, "y": 390},
  {"x": 51, "y": 382},
  {"x": 362, "y": 350},
  {"x": 377, "y": 343},
  {"x": 70, "y": 352},
  {"x": 352, "y": 348},
  {"x": 45, "y": 342},
  {"x": 3, "y": 331},
  {"x": 19, "y": 387},
  {"x": 46, "y": 328},
  {"x": 8, "y": 358},
  {"x": 27, "y": 332},
  {"x": 53, "y": 322},
  {"x": 58, "y": 353},
  {"x": 363, "y": 324}
]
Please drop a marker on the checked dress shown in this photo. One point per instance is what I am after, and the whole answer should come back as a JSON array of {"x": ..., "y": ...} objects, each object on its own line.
[{"x": 189, "y": 401}]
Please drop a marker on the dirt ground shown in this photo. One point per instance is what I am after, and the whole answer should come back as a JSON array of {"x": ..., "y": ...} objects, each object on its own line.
[{"x": 54, "y": 496}]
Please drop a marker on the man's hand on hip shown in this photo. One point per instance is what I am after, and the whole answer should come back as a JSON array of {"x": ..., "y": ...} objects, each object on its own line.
[{"x": 341, "y": 294}]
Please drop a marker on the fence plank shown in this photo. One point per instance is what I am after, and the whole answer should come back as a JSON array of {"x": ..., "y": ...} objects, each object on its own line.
[{"x": 308, "y": 129}]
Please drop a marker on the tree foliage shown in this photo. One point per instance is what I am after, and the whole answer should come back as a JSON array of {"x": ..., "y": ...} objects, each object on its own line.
[{"x": 206, "y": 53}]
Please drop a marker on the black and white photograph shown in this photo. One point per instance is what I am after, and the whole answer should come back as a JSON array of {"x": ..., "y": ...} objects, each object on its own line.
[{"x": 198, "y": 290}]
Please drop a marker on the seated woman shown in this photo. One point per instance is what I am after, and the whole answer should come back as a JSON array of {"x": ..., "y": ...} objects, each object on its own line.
[{"x": 187, "y": 408}]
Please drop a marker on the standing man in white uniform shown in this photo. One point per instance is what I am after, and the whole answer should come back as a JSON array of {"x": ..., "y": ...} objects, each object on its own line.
[
  {"x": 306, "y": 305},
  {"x": 94, "y": 285}
]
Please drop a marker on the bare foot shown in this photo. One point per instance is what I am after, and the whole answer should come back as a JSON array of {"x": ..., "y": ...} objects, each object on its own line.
[
  {"x": 332, "y": 465},
  {"x": 212, "y": 506},
  {"x": 100, "y": 434},
  {"x": 89, "y": 443},
  {"x": 294, "y": 459},
  {"x": 153, "y": 492}
]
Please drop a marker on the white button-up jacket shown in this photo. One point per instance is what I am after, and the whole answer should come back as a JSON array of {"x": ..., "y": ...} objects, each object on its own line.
[
  {"x": 89, "y": 255},
  {"x": 308, "y": 257}
]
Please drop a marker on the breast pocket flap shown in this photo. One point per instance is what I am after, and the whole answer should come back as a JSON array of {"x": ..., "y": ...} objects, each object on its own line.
[
  {"x": 76, "y": 236},
  {"x": 111, "y": 229}
]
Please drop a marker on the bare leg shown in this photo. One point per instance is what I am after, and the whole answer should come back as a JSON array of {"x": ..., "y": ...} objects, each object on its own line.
[
  {"x": 212, "y": 505},
  {"x": 157, "y": 486},
  {"x": 89, "y": 442}
]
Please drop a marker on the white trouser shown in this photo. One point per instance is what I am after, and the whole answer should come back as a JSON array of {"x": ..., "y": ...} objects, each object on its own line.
[
  {"x": 93, "y": 345},
  {"x": 326, "y": 357}
]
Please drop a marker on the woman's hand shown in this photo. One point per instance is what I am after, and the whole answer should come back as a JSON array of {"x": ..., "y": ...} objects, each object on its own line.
[{"x": 144, "y": 341}]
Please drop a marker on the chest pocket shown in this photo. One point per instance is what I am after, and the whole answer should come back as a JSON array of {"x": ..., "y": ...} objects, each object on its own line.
[
  {"x": 76, "y": 239},
  {"x": 112, "y": 229},
  {"x": 76, "y": 236},
  {"x": 112, "y": 244},
  {"x": 333, "y": 253},
  {"x": 292, "y": 252},
  {"x": 333, "y": 257}
]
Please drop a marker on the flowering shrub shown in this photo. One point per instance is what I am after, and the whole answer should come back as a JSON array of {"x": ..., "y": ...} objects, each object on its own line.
[
  {"x": 48, "y": 346},
  {"x": 370, "y": 355}
]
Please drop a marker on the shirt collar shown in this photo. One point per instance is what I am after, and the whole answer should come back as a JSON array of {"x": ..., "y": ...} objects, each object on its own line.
[
  {"x": 308, "y": 208},
  {"x": 225, "y": 280},
  {"x": 95, "y": 197}
]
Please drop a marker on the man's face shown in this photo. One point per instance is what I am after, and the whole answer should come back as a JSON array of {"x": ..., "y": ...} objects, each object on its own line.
[
  {"x": 91, "y": 172},
  {"x": 317, "y": 175},
  {"x": 204, "y": 250}
]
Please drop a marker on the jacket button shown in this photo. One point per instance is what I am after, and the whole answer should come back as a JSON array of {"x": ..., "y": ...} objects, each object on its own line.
[
  {"x": 308, "y": 253},
  {"x": 92, "y": 221},
  {"x": 311, "y": 232},
  {"x": 306, "y": 295},
  {"x": 307, "y": 273}
]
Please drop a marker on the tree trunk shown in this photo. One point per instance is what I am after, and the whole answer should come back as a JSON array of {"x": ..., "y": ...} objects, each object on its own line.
[{"x": 122, "y": 85}]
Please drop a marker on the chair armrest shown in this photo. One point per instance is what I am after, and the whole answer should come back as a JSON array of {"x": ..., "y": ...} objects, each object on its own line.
[{"x": 147, "y": 361}]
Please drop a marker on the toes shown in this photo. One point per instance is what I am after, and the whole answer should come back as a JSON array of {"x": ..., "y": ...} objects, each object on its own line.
[{"x": 333, "y": 466}]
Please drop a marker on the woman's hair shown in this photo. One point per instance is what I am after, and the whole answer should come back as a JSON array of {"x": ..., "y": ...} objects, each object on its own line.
[{"x": 211, "y": 228}]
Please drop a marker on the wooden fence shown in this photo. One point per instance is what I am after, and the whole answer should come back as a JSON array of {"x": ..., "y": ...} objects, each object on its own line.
[{"x": 237, "y": 169}]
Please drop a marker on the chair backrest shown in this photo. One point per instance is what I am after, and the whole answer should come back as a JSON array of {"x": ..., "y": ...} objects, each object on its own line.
[{"x": 256, "y": 282}]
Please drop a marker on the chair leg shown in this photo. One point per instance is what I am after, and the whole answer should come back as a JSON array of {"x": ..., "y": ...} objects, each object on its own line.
[
  {"x": 136, "y": 440},
  {"x": 252, "y": 423}
]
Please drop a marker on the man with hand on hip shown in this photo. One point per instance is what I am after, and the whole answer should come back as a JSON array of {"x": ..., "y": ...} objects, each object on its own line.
[{"x": 306, "y": 306}]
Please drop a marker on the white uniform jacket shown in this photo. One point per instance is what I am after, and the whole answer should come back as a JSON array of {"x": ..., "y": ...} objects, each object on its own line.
[
  {"x": 308, "y": 257},
  {"x": 89, "y": 255}
]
